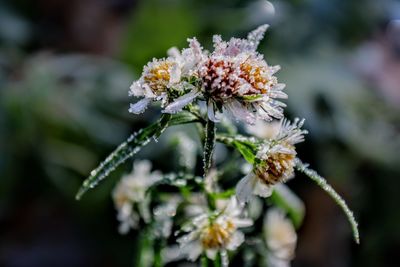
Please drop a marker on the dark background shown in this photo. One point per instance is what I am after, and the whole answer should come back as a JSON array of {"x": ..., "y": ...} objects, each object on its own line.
[{"x": 65, "y": 70}]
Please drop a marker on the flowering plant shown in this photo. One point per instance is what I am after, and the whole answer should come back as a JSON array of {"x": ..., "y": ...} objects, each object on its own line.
[{"x": 215, "y": 219}]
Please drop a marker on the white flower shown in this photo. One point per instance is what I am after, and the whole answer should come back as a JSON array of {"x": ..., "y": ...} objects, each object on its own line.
[
  {"x": 275, "y": 161},
  {"x": 131, "y": 190},
  {"x": 237, "y": 80},
  {"x": 280, "y": 237},
  {"x": 217, "y": 232}
]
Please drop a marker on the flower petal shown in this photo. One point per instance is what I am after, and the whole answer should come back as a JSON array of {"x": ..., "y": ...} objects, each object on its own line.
[
  {"x": 140, "y": 106},
  {"x": 244, "y": 188},
  {"x": 181, "y": 101},
  {"x": 261, "y": 189}
]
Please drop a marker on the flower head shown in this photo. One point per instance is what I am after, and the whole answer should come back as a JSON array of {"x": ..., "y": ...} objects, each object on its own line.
[
  {"x": 233, "y": 79},
  {"x": 216, "y": 232},
  {"x": 280, "y": 237},
  {"x": 131, "y": 190},
  {"x": 237, "y": 79},
  {"x": 275, "y": 161}
]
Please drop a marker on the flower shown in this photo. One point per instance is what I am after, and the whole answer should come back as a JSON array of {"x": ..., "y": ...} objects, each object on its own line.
[
  {"x": 275, "y": 161},
  {"x": 168, "y": 80},
  {"x": 236, "y": 79},
  {"x": 216, "y": 232},
  {"x": 280, "y": 237},
  {"x": 233, "y": 79},
  {"x": 132, "y": 190}
]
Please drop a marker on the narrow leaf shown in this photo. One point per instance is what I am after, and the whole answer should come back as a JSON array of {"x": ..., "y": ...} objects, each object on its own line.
[
  {"x": 123, "y": 152},
  {"x": 243, "y": 145},
  {"x": 320, "y": 181}
]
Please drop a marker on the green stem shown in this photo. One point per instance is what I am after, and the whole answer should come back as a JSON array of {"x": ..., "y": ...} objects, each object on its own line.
[
  {"x": 158, "y": 245},
  {"x": 209, "y": 144},
  {"x": 218, "y": 260},
  {"x": 319, "y": 180},
  {"x": 204, "y": 261}
]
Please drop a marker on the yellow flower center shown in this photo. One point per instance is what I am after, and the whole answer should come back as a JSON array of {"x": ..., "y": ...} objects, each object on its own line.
[
  {"x": 257, "y": 77},
  {"x": 277, "y": 167},
  {"x": 158, "y": 76},
  {"x": 216, "y": 235}
]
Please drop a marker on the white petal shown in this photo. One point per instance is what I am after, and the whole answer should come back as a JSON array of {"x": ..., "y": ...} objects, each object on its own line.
[
  {"x": 257, "y": 35},
  {"x": 175, "y": 75},
  {"x": 211, "y": 253},
  {"x": 244, "y": 188},
  {"x": 136, "y": 89},
  {"x": 261, "y": 189},
  {"x": 236, "y": 240},
  {"x": 174, "y": 52},
  {"x": 239, "y": 112},
  {"x": 140, "y": 106},
  {"x": 181, "y": 101},
  {"x": 194, "y": 250}
]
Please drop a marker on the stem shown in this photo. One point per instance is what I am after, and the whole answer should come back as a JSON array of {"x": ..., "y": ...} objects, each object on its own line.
[
  {"x": 217, "y": 261},
  {"x": 204, "y": 261},
  {"x": 158, "y": 245},
  {"x": 209, "y": 144},
  {"x": 319, "y": 180}
]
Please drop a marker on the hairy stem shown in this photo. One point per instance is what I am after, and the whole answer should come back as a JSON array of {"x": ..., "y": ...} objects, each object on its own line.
[
  {"x": 319, "y": 180},
  {"x": 209, "y": 144}
]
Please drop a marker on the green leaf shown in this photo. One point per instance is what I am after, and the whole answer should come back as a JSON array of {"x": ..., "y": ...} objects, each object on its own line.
[
  {"x": 245, "y": 146},
  {"x": 132, "y": 146},
  {"x": 183, "y": 117},
  {"x": 288, "y": 201},
  {"x": 321, "y": 182},
  {"x": 123, "y": 152}
]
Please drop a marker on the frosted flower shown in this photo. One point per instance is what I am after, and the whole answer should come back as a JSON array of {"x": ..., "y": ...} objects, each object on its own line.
[
  {"x": 237, "y": 79},
  {"x": 217, "y": 232},
  {"x": 280, "y": 237},
  {"x": 275, "y": 161},
  {"x": 131, "y": 190},
  {"x": 169, "y": 80}
]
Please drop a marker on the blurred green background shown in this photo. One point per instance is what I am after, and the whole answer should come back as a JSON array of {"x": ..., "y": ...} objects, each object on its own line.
[{"x": 65, "y": 70}]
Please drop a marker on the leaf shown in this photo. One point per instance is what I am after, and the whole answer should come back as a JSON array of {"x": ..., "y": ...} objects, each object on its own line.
[
  {"x": 288, "y": 201},
  {"x": 247, "y": 152},
  {"x": 132, "y": 146},
  {"x": 321, "y": 182},
  {"x": 245, "y": 146},
  {"x": 183, "y": 117}
]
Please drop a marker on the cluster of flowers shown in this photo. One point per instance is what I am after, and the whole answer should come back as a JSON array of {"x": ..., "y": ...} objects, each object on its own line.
[{"x": 236, "y": 81}]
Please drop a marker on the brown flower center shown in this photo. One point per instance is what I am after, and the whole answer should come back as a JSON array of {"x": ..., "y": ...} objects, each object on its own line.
[
  {"x": 277, "y": 167},
  {"x": 216, "y": 235}
]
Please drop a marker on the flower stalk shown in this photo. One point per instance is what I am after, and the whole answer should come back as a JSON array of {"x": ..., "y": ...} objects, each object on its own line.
[{"x": 209, "y": 144}]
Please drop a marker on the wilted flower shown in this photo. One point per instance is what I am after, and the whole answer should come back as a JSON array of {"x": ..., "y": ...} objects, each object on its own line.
[
  {"x": 131, "y": 190},
  {"x": 274, "y": 163},
  {"x": 216, "y": 232},
  {"x": 280, "y": 237}
]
